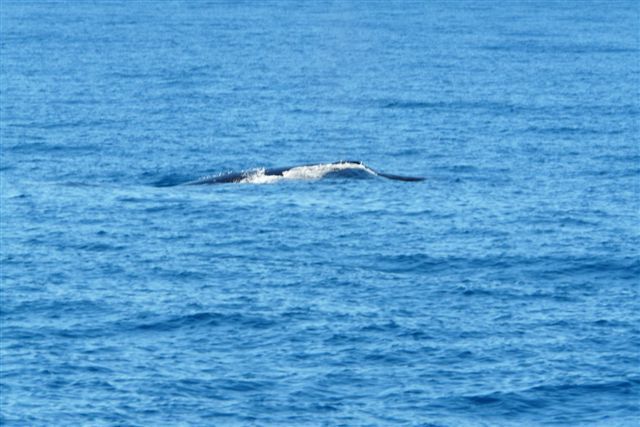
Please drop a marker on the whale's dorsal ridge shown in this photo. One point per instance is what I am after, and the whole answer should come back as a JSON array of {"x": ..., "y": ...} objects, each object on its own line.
[{"x": 312, "y": 171}]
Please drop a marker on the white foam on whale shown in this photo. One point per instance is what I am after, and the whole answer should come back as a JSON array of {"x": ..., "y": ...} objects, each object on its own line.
[{"x": 302, "y": 173}]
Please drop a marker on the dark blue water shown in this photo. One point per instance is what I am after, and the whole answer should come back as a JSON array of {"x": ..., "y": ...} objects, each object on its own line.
[{"x": 502, "y": 290}]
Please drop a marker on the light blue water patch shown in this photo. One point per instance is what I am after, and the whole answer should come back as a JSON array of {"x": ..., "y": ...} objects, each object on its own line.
[{"x": 500, "y": 291}]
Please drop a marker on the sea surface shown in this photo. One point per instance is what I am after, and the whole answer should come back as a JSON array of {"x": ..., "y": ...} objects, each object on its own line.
[{"x": 503, "y": 290}]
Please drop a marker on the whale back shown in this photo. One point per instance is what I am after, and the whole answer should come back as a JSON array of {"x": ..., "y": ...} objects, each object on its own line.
[{"x": 313, "y": 171}]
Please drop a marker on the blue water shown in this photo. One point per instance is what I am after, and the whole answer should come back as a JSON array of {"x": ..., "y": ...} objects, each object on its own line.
[{"x": 501, "y": 291}]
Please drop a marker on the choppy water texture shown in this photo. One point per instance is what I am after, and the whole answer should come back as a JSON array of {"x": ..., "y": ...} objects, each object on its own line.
[{"x": 502, "y": 290}]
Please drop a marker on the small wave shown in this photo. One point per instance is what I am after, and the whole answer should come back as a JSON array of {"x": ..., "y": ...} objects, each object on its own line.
[
  {"x": 170, "y": 180},
  {"x": 204, "y": 320},
  {"x": 561, "y": 402}
]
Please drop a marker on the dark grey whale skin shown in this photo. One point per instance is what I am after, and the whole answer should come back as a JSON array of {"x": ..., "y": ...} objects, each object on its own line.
[{"x": 239, "y": 176}]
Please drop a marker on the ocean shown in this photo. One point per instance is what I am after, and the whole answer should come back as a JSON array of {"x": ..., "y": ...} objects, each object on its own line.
[{"x": 501, "y": 290}]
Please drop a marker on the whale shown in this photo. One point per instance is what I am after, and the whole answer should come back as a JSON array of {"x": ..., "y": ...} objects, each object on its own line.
[{"x": 312, "y": 171}]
